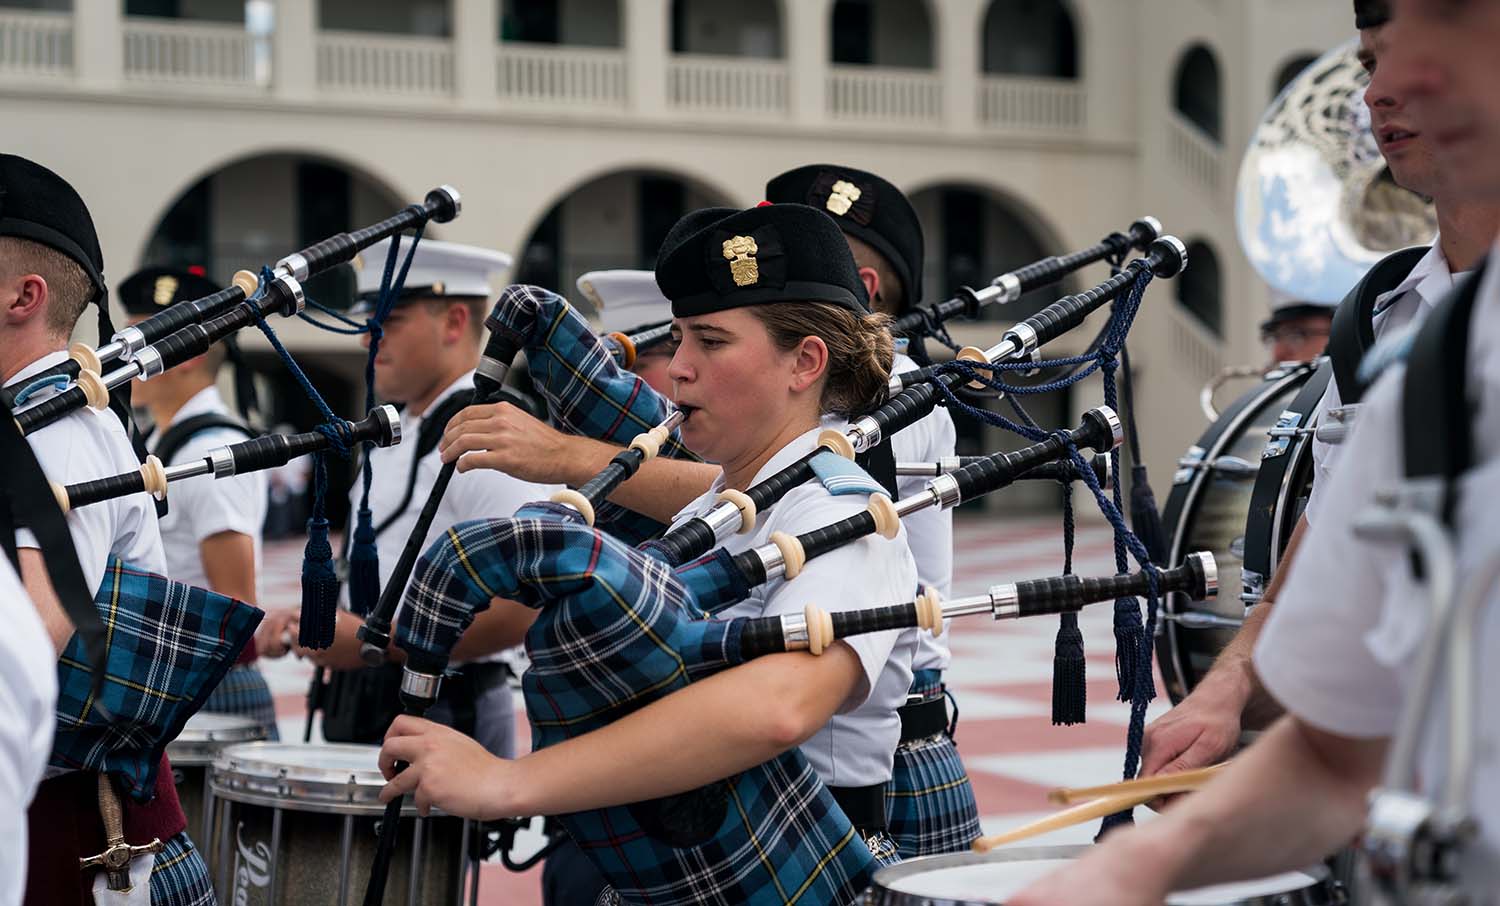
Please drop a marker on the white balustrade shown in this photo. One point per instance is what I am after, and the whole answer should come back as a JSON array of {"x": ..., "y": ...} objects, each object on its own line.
[
  {"x": 36, "y": 44},
  {"x": 891, "y": 95},
  {"x": 1200, "y": 157},
  {"x": 362, "y": 63},
  {"x": 1017, "y": 102},
  {"x": 569, "y": 76},
  {"x": 712, "y": 84},
  {"x": 196, "y": 53},
  {"x": 1193, "y": 344}
]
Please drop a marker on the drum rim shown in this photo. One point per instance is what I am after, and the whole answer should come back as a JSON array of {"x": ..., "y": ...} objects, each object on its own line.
[
  {"x": 1244, "y": 408},
  {"x": 245, "y": 773},
  {"x": 197, "y": 746},
  {"x": 882, "y": 895}
]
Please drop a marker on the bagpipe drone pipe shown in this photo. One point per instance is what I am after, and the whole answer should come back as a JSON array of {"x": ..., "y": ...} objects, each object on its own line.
[{"x": 187, "y": 330}]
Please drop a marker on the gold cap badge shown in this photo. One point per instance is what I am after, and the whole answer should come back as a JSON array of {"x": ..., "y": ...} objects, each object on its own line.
[
  {"x": 166, "y": 288},
  {"x": 842, "y": 197},
  {"x": 740, "y": 253}
]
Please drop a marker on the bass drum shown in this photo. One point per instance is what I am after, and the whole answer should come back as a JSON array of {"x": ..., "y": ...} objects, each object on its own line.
[{"x": 1207, "y": 511}]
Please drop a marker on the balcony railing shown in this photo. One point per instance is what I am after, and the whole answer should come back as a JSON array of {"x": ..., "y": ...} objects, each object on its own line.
[
  {"x": 191, "y": 53},
  {"x": 361, "y": 63},
  {"x": 1194, "y": 345},
  {"x": 1015, "y": 102},
  {"x": 889, "y": 95},
  {"x": 36, "y": 44},
  {"x": 708, "y": 84},
  {"x": 1199, "y": 156},
  {"x": 561, "y": 75}
]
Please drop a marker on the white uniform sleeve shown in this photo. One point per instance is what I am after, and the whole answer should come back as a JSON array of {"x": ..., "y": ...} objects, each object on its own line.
[
  {"x": 1324, "y": 455},
  {"x": 28, "y": 697},
  {"x": 1314, "y": 655},
  {"x": 66, "y": 461},
  {"x": 870, "y": 572}
]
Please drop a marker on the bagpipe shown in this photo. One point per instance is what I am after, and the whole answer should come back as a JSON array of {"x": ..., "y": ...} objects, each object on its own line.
[
  {"x": 167, "y": 644},
  {"x": 187, "y": 330},
  {"x": 625, "y": 347}
]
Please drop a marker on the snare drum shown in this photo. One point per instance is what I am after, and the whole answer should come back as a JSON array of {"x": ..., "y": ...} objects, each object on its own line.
[
  {"x": 299, "y": 824},
  {"x": 1207, "y": 510},
  {"x": 193, "y": 752},
  {"x": 986, "y": 879}
]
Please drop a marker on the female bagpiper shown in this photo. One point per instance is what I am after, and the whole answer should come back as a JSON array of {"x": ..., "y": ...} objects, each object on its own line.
[{"x": 775, "y": 343}]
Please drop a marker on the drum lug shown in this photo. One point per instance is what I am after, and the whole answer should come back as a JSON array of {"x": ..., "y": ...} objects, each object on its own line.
[
  {"x": 1287, "y": 428},
  {"x": 1189, "y": 465},
  {"x": 1412, "y": 850}
]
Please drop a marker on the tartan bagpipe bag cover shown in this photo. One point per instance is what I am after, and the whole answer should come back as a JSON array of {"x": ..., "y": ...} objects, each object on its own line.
[
  {"x": 167, "y": 646},
  {"x": 617, "y": 630}
]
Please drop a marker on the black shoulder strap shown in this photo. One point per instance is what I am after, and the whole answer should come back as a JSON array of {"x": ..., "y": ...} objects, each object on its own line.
[
  {"x": 176, "y": 436},
  {"x": 1353, "y": 331},
  {"x": 1436, "y": 411},
  {"x": 431, "y": 432}
]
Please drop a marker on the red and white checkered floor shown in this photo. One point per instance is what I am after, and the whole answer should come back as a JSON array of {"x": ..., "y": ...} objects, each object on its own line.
[{"x": 1001, "y": 677}]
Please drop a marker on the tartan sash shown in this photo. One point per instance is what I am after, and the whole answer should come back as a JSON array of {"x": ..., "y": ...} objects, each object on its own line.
[
  {"x": 617, "y": 630},
  {"x": 167, "y": 646},
  {"x": 586, "y": 392}
]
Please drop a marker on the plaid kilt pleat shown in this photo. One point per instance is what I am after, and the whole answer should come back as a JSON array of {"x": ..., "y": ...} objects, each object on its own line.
[
  {"x": 167, "y": 646},
  {"x": 244, "y": 692},
  {"x": 930, "y": 808},
  {"x": 179, "y": 877},
  {"x": 586, "y": 392},
  {"x": 615, "y": 631}
]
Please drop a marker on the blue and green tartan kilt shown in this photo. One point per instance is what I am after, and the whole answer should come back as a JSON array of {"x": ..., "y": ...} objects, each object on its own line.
[
  {"x": 930, "y": 808},
  {"x": 244, "y": 692},
  {"x": 179, "y": 877}
]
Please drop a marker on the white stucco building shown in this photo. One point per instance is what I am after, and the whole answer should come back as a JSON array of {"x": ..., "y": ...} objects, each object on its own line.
[{"x": 228, "y": 133}]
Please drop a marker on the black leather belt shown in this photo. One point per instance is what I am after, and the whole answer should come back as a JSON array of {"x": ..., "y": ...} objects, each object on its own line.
[
  {"x": 463, "y": 685},
  {"x": 865, "y": 805},
  {"x": 923, "y": 719}
]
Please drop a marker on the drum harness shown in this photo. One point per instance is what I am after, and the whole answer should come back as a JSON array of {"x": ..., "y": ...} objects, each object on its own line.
[{"x": 1413, "y": 842}]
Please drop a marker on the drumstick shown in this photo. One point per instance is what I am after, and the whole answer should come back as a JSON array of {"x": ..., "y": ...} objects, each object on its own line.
[
  {"x": 1161, "y": 784},
  {"x": 1068, "y": 817}
]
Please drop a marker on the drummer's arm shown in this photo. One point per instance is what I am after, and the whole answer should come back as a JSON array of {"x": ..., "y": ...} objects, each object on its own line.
[{"x": 1297, "y": 794}]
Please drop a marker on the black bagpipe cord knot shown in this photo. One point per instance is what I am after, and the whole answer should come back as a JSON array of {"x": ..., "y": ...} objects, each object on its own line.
[{"x": 1069, "y": 670}]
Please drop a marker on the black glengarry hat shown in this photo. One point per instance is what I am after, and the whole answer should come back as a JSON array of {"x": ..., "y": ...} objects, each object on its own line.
[
  {"x": 39, "y": 205},
  {"x": 864, "y": 206},
  {"x": 149, "y": 290},
  {"x": 722, "y": 258}
]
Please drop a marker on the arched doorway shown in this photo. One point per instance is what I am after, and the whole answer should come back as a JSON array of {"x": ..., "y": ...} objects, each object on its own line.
[
  {"x": 972, "y": 235},
  {"x": 1196, "y": 91},
  {"x": 1030, "y": 38},
  {"x": 617, "y": 220},
  {"x": 895, "y": 33},
  {"x": 1200, "y": 288}
]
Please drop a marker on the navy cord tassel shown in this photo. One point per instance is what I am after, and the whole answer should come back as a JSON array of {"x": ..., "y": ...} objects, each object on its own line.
[
  {"x": 364, "y": 557},
  {"x": 320, "y": 583},
  {"x": 1069, "y": 670}
]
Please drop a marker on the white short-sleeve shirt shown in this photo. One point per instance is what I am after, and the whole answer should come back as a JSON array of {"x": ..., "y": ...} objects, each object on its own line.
[
  {"x": 476, "y": 494},
  {"x": 1407, "y": 304},
  {"x": 203, "y": 506},
  {"x": 28, "y": 695},
  {"x": 929, "y": 532},
  {"x": 1339, "y": 648},
  {"x": 82, "y": 446},
  {"x": 856, "y": 747}
]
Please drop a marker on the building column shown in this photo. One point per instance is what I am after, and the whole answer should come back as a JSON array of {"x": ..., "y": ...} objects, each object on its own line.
[
  {"x": 476, "y": 37},
  {"x": 960, "y": 31},
  {"x": 294, "y": 55},
  {"x": 648, "y": 47},
  {"x": 807, "y": 29},
  {"x": 99, "y": 43}
]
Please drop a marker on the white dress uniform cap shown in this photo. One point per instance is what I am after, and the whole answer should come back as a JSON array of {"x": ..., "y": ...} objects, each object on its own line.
[
  {"x": 437, "y": 269},
  {"x": 625, "y": 299}
]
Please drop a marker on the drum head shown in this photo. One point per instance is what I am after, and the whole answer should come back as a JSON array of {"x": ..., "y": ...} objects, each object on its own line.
[
  {"x": 1207, "y": 511},
  {"x": 205, "y": 734},
  {"x": 334, "y": 777},
  {"x": 986, "y": 879}
]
